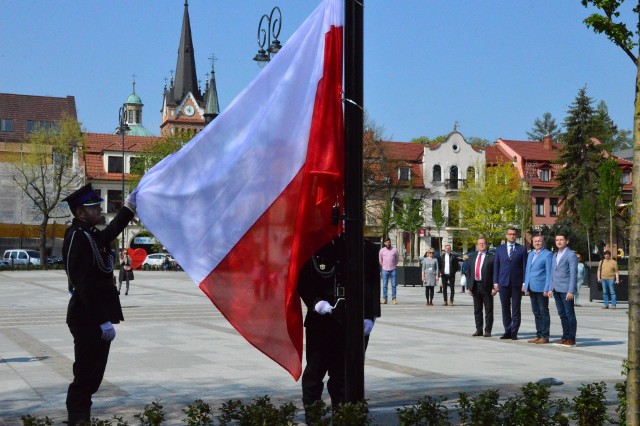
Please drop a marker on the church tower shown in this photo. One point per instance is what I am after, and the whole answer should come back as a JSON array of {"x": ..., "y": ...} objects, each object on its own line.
[
  {"x": 133, "y": 106},
  {"x": 184, "y": 107}
]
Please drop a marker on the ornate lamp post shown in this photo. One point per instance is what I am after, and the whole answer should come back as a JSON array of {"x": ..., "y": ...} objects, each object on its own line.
[
  {"x": 122, "y": 130},
  {"x": 268, "y": 28}
]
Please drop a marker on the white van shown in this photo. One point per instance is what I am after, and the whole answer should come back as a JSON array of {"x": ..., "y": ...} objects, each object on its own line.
[{"x": 22, "y": 257}]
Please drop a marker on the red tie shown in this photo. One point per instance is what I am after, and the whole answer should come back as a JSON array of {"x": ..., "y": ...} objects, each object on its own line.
[{"x": 478, "y": 263}]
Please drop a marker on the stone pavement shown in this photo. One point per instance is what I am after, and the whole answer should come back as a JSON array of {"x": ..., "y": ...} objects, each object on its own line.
[{"x": 176, "y": 347}]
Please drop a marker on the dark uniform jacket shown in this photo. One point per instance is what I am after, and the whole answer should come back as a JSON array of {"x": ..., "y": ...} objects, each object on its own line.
[
  {"x": 318, "y": 277},
  {"x": 88, "y": 260}
]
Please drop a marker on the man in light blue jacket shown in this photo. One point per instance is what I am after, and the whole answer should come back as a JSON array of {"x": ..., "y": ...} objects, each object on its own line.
[
  {"x": 536, "y": 286},
  {"x": 563, "y": 286}
]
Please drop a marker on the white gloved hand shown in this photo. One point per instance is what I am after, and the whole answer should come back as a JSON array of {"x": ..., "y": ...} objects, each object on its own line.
[
  {"x": 323, "y": 307},
  {"x": 108, "y": 331},
  {"x": 368, "y": 326},
  {"x": 131, "y": 200}
]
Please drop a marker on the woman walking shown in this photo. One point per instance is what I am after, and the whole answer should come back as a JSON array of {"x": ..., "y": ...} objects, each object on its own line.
[
  {"x": 429, "y": 275},
  {"x": 125, "y": 271}
]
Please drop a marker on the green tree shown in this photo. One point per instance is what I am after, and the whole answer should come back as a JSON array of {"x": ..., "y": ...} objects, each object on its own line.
[
  {"x": 438, "y": 215},
  {"x": 46, "y": 172},
  {"x": 408, "y": 216},
  {"x": 587, "y": 209},
  {"x": 478, "y": 141},
  {"x": 546, "y": 126},
  {"x": 428, "y": 141},
  {"x": 609, "y": 192},
  {"x": 608, "y": 23},
  {"x": 154, "y": 153},
  {"x": 488, "y": 204},
  {"x": 579, "y": 155}
]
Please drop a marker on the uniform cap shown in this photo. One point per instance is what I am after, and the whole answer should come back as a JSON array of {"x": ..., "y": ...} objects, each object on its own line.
[{"x": 84, "y": 196}]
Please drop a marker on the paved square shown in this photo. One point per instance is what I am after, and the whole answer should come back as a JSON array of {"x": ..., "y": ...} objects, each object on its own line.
[{"x": 175, "y": 346}]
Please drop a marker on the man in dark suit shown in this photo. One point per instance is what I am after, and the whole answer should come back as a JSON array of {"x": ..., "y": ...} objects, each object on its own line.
[
  {"x": 508, "y": 278},
  {"x": 479, "y": 281},
  {"x": 448, "y": 266}
]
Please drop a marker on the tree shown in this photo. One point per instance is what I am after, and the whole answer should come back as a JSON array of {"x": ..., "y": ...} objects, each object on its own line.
[
  {"x": 546, "y": 126},
  {"x": 439, "y": 219},
  {"x": 587, "y": 213},
  {"x": 47, "y": 172},
  {"x": 478, "y": 141},
  {"x": 627, "y": 40},
  {"x": 579, "y": 155},
  {"x": 153, "y": 154},
  {"x": 428, "y": 141},
  {"x": 488, "y": 204},
  {"x": 408, "y": 216},
  {"x": 609, "y": 192}
]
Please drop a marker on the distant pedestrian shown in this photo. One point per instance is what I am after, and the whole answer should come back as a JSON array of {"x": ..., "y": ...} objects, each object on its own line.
[
  {"x": 563, "y": 287},
  {"x": 463, "y": 272},
  {"x": 580, "y": 281},
  {"x": 126, "y": 273},
  {"x": 429, "y": 275},
  {"x": 448, "y": 268},
  {"x": 388, "y": 258},
  {"x": 607, "y": 273}
]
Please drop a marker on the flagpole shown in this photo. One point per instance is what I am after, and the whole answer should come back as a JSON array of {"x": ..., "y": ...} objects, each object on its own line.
[{"x": 354, "y": 208}]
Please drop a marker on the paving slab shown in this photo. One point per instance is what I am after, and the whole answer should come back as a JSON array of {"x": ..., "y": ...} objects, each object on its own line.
[{"x": 176, "y": 347}]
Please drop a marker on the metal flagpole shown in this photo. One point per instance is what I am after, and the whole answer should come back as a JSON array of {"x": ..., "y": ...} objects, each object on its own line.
[{"x": 354, "y": 208}]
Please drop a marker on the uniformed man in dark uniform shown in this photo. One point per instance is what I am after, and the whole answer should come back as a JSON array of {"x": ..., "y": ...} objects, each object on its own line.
[
  {"x": 94, "y": 306},
  {"x": 319, "y": 280}
]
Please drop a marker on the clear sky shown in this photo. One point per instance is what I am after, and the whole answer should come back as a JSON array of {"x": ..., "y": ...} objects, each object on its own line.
[{"x": 492, "y": 66}]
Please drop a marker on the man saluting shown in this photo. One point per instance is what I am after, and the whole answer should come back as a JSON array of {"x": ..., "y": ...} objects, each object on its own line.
[{"x": 94, "y": 306}]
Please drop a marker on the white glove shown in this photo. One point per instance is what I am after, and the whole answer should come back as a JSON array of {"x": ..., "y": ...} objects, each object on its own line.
[
  {"x": 131, "y": 200},
  {"x": 368, "y": 326},
  {"x": 108, "y": 331},
  {"x": 323, "y": 307}
]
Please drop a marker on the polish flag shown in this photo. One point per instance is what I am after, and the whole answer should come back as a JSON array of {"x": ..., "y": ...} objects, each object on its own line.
[{"x": 249, "y": 198}]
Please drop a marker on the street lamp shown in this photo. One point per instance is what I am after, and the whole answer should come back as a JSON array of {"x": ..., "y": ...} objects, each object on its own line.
[
  {"x": 272, "y": 30},
  {"x": 122, "y": 130}
]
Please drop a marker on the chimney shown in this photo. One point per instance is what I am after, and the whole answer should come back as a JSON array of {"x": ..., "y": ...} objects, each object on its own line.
[{"x": 547, "y": 142}]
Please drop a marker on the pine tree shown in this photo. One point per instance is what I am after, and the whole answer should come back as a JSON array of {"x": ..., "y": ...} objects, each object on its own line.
[
  {"x": 546, "y": 126},
  {"x": 579, "y": 155}
]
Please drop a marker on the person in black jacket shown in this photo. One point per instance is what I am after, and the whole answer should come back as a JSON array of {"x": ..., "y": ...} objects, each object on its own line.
[
  {"x": 324, "y": 323},
  {"x": 480, "y": 285},
  {"x": 94, "y": 305},
  {"x": 448, "y": 265}
]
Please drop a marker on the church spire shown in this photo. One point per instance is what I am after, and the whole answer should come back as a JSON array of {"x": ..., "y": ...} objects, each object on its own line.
[
  {"x": 212, "y": 107},
  {"x": 186, "y": 79}
]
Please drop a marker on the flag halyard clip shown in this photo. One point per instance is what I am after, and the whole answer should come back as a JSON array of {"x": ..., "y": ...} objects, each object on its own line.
[{"x": 344, "y": 99}]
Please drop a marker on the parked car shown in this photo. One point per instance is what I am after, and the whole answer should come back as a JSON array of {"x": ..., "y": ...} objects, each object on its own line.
[
  {"x": 156, "y": 260},
  {"x": 55, "y": 260},
  {"x": 22, "y": 257}
]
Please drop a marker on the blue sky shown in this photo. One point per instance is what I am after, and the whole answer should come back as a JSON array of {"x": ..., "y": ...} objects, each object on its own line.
[{"x": 492, "y": 66}]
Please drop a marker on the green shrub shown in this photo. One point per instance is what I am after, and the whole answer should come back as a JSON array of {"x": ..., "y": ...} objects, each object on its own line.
[
  {"x": 428, "y": 411},
  {"x": 590, "y": 406},
  {"x": 259, "y": 412},
  {"x": 351, "y": 414},
  {"x": 621, "y": 391},
  {"x": 152, "y": 414},
  {"x": 316, "y": 414},
  {"x": 29, "y": 420},
  {"x": 533, "y": 407},
  {"x": 198, "y": 414},
  {"x": 483, "y": 409}
]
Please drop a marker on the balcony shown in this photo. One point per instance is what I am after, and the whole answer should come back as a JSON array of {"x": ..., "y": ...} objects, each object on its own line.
[{"x": 453, "y": 184}]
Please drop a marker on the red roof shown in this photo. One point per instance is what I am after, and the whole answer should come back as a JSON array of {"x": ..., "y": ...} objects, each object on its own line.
[
  {"x": 97, "y": 143},
  {"x": 404, "y": 154},
  {"x": 532, "y": 150},
  {"x": 494, "y": 155},
  {"x": 23, "y": 108}
]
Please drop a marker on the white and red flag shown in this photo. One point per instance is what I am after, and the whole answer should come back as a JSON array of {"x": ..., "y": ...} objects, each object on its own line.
[{"x": 249, "y": 198}]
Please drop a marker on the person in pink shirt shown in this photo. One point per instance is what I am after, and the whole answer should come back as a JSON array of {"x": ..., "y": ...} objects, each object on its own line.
[{"x": 388, "y": 257}]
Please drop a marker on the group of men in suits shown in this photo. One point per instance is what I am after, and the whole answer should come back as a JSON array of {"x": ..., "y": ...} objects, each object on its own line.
[{"x": 510, "y": 272}]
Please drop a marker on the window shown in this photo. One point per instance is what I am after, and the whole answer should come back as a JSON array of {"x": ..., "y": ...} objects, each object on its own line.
[
  {"x": 545, "y": 175},
  {"x": 114, "y": 200},
  {"x": 404, "y": 174},
  {"x": 539, "y": 206},
  {"x": 130, "y": 116},
  {"x": 453, "y": 177},
  {"x": 6, "y": 126},
  {"x": 114, "y": 164},
  {"x": 437, "y": 173},
  {"x": 436, "y": 205},
  {"x": 553, "y": 207},
  {"x": 37, "y": 125},
  {"x": 471, "y": 174},
  {"x": 625, "y": 179}
]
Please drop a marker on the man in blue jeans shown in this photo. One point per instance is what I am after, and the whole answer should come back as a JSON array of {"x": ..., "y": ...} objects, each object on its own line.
[
  {"x": 536, "y": 286},
  {"x": 563, "y": 285},
  {"x": 609, "y": 276},
  {"x": 388, "y": 258}
]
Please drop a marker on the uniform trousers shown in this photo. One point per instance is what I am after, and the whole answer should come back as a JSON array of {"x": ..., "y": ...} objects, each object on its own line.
[
  {"x": 91, "y": 354},
  {"x": 324, "y": 354}
]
